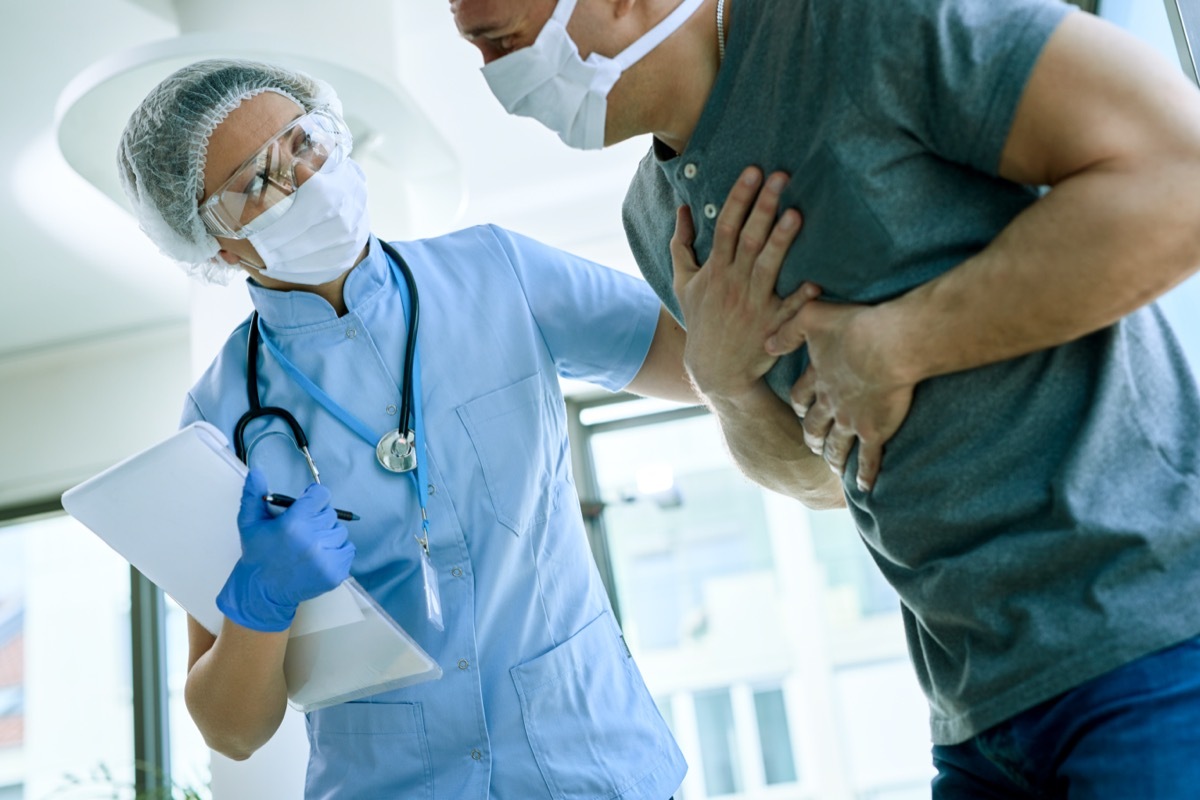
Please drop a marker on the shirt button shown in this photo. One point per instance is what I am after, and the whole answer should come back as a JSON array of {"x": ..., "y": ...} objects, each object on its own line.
[
  {"x": 690, "y": 171},
  {"x": 391, "y": 411},
  {"x": 463, "y": 663},
  {"x": 456, "y": 572},
  {"x": 475, "y": 754},
  {"x": 710, "y": 211},
  {"x": 351, "y": 333},
  {"x": 431, "y": 489}
]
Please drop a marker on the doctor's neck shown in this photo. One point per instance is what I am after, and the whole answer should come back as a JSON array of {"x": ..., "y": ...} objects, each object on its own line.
[{"x": 330, "y": 291}]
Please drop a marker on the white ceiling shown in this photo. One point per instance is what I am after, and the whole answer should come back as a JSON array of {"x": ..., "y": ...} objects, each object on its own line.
[{"x": 75, "y": 266}]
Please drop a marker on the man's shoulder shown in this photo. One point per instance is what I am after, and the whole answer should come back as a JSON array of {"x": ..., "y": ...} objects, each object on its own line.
[{"x": 650, "y": 199}]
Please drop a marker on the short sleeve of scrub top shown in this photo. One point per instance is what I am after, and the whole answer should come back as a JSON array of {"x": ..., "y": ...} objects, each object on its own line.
[{"x": 570, "y": 298}]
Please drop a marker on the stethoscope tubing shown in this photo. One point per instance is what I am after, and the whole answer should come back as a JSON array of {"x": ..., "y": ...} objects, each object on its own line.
[{"x": 259, "y": 411}]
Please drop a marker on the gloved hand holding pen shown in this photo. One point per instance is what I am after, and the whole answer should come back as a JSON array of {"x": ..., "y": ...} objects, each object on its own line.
[{"x": 286, "y": 559}]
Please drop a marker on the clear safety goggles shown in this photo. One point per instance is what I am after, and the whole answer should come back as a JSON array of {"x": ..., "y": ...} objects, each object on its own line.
[{"x": 261, "y": 190}]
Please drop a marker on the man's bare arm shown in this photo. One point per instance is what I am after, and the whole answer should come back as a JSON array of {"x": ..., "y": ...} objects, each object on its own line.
[
  {"x": 662, "y": 373},
  {"x": 1118, "y": 139}
]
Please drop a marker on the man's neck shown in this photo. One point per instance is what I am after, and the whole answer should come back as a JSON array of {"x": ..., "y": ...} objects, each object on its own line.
[{"x": 672, "y": 84}]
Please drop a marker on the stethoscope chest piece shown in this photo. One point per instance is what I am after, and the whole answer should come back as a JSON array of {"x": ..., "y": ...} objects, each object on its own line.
[{"x": 397, "y": 452}]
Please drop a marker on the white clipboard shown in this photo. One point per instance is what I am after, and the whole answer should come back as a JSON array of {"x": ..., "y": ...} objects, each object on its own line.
[{"x": 171, "y": 512}]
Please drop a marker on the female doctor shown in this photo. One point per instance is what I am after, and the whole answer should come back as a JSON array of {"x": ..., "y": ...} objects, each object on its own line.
[{"x": 240, "y": 165}]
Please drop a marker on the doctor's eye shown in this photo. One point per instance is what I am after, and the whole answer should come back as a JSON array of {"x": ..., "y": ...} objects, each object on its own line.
[{"x": 300, "y": 142}]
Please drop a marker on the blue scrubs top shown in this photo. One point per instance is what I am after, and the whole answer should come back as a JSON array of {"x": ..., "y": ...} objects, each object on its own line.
[{"x": 540, "y": 697}]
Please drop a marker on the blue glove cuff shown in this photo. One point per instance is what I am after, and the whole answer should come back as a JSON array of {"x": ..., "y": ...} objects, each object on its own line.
[{"x": 242, "y": 600}]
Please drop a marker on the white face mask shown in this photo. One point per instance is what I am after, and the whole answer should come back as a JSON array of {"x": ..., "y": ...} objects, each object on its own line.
[
  {"x": 321, "y": 235},
  {"x": 551, "y": 83}
]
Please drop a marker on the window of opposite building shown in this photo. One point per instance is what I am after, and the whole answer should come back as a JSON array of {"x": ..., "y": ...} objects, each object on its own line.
[
  {"x": 65, "y": 673},
  {"x": 744, "y": 610}
]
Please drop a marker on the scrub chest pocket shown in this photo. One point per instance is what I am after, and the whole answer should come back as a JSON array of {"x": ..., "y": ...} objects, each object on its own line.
[
  {"x": 518, "y": 436},
  {"x": 589, "y": 716},
  {"x": 369, "y": 751}
]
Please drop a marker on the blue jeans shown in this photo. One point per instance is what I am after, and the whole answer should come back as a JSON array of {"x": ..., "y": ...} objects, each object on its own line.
[{"x": 1131, "y": 734}]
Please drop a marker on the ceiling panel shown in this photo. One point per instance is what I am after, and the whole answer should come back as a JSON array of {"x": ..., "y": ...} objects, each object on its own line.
[{"x": 74, "y": 263}]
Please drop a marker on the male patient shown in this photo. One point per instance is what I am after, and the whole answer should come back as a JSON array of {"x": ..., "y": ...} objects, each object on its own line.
[{"x": 1014, "y": 426}]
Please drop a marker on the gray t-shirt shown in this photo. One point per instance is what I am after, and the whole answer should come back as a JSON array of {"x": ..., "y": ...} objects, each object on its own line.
[{"x": 1039, "y": 517}]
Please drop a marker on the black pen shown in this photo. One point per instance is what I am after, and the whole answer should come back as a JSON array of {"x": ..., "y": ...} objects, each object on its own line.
[{"x": 283, "y": 501}]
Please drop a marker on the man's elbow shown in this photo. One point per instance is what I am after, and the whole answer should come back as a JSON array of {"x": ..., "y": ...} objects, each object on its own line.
[
  {"x": 823, "y": 495},
  {"x": 824, "y": 499},
  {"x": 1166, "y": 196},
  {"x": 1190, "y": 218}
]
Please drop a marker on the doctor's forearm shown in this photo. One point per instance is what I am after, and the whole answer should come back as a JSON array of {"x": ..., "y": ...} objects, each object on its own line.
[
  {"x": 236, "y": 691},
  {"x": 767, "y": 443},
  {"x": 1096, "y": 248}
]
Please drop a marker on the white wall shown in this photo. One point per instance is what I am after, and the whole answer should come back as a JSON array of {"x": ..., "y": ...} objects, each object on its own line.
[{"x": 68, "y": 412}]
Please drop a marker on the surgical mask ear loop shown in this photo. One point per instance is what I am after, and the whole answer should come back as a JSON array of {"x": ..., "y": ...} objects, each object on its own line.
[{"x": 549, "y": 81}]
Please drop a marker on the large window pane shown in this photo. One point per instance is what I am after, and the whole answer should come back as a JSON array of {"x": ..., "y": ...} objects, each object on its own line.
[
  {"x": 775, "y": 737},
  {"x": 854, "y": 588},
  {"x": 189, "y": 755},
  {"x": 882, "y": 717},
  {"x": 65, "y": 672},
  {"x": 718, "y": 743},
  {"x": 743, "y": 608}
]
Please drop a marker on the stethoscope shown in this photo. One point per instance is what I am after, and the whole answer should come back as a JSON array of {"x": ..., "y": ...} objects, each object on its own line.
[{"x": 396, "y": 450}]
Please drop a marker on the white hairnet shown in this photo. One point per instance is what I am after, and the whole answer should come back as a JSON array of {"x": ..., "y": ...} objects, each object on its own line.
[{"x": 163, "y": 148}]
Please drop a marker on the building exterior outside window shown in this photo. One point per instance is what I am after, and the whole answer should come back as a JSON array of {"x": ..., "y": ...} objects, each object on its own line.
[
  {"x": 759, "y": 626},
  {"x": 65, "y": 676}
]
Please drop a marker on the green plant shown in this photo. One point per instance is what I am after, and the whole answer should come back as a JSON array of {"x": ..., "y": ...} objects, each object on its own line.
[{"x": 101, "y": 784}]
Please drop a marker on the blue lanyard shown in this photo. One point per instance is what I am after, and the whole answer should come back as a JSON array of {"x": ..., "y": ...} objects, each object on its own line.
[{"x": 360, "y": 428}]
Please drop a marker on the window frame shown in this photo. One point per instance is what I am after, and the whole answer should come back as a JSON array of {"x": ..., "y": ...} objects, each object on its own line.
[{"x": 151, "y": 742}]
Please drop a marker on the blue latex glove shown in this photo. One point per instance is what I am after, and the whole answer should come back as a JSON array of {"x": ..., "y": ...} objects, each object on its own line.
[{"x": 286, "y": 558}]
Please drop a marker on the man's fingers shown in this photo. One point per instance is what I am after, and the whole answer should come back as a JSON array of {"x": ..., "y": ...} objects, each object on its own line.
[
  {"x": 682, "y": 256},
  {"x": 870, "y": 458},
  {"x": 790, "y": 335},
  {"x": 838, "y": 443},
  {"x": 817, "y": 422},
  {"x": 795, "y": 301},
  {"x": 770, "y": 259},
  {"x": 804, "y": 393},
  {"x": 761, "y": 221},
  {"x": 733, "y": 215}
]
